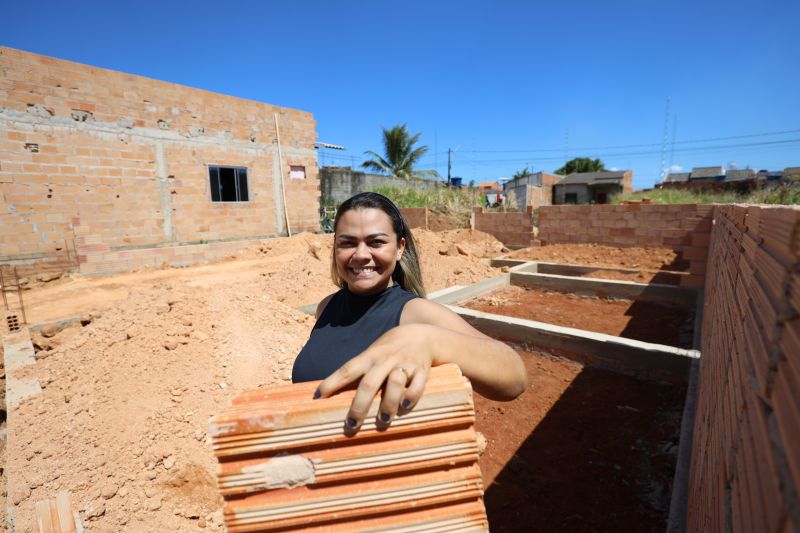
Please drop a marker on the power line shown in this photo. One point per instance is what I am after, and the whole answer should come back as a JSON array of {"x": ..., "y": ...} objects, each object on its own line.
[{"x": 613, "y": 147}]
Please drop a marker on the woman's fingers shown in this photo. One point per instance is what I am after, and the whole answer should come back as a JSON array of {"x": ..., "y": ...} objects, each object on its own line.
[
  {"x": 393, "y": 394},
  {"x": 348, "y": 373},
  {"x": 414, "y": 389},
  {"x": 368, "y": 388}
]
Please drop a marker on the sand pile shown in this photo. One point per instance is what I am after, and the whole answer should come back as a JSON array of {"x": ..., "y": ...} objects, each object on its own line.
[
  {"x": 298, "y": 268},
  {"x": 121, "y": 422}
]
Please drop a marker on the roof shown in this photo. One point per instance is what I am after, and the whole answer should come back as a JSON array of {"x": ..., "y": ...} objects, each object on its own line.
[
  {"x": 707, "y": 172},
  {"x": 489, "y": 185},
  {"x": 593, "y": 178},
  {"x": 741, "y": 174},
  {"x": 677, "y": 177}
]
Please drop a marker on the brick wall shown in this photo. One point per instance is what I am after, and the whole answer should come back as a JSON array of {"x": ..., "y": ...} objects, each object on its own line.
[
  {"x": 126, "y": 158},
  {"x": 416, "y": 217},
  {"x": 684, "y": 228},
  {"x": 745, "y": 471},
  {"x": 512, "y": 228}
]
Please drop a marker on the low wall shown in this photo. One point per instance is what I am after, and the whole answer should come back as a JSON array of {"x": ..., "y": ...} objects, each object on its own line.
[
  {"x": 685, "y": 228},
  {"x": 97, "y": 257},
  {"x": 337, "y": 184},
  {"x": 745, "y": 470},
  {"x": 416, "y": 217},
  {"x": 512, "y": 228}
]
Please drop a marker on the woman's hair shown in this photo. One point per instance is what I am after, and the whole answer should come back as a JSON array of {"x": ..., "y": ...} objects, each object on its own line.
[{"x": 408, "y": 274}]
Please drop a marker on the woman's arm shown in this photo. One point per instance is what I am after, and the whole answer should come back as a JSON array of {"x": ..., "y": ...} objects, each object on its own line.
[
  {"x": 429, "y": 334},
  {"x": 495, "y": 369}
]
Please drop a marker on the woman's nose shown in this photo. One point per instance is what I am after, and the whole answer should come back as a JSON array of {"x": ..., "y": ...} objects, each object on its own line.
[{"x": 362, "y": 251}]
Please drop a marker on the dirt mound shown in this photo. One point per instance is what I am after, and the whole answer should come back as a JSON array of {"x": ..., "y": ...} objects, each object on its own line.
[
  {"x": 643, "y": 258},
  {"x": 298, "y": 272},
  {"x": 129, "y": 397}
]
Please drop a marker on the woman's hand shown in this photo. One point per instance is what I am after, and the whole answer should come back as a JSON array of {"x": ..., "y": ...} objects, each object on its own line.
[{"x": 401, "y": 359}]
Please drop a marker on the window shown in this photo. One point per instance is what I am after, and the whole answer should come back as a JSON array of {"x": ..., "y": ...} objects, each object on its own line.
[
  {"x": 228, "y": 184},
  {"x": 571, "y": 198},
  {"x": 297, "y": 172}
]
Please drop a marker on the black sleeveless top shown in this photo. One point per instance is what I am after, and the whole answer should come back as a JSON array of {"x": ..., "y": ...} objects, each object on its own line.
[{"x": 347, "y": 326}]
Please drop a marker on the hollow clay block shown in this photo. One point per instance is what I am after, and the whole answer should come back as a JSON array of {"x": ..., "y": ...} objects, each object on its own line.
[{"x": 286, "y": 462}]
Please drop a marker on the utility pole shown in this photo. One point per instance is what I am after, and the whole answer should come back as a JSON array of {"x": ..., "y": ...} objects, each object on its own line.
[
  {"x": 664, "y": 143},
  {"x": 449, "y": 151}
]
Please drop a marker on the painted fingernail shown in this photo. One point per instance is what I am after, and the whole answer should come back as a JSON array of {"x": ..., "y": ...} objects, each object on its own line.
[
  {"x": 351, "y": 422},
  {"x": 317, "y": 394},
  {"x": 385, "y": 417},
  {"x": 405, "y": 404}
]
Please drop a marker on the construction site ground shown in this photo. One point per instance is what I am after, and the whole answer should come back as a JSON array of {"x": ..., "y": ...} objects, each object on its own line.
[{"x": 128, "y": 391}]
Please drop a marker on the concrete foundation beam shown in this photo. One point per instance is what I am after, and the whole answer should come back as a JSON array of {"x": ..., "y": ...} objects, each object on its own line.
[
  {"x": 18, "y": 352},
  {"x": 627, "y": 356},
  {"x": 601, "y": 288}
]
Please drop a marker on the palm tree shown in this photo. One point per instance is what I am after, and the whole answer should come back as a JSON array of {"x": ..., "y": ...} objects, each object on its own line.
[
  {"x": 400, "y": 156},
  {"x": 581, "y": 164}
]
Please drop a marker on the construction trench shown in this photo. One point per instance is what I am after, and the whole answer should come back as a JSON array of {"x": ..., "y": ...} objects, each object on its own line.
[{"x": 601, "y": 440}]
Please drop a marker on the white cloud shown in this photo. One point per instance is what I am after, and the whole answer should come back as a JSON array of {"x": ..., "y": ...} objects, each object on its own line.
[
  {"x": 614, "y": 169},
  {"x": 675, "y": 168}
]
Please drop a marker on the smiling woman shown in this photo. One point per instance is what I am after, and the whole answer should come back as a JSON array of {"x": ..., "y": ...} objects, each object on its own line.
[{"x": 380, "y": 332}]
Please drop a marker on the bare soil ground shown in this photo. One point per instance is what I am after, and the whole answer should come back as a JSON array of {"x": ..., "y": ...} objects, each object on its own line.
[
  {"x": 645, "y": 259},
  {"x": 121, "y": 422},
  {"x": 582, "y": 450},
  {"x": 644, "y": 321}
]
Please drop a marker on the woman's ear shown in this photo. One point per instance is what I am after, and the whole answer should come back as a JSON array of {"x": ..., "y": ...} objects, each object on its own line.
[{"x": 401, "y": 247}]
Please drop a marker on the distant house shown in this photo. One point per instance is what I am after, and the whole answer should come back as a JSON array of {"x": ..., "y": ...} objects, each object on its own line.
[
  {"x": 740, "y": 174},
  {"x": 592, "y": 187},
  {"x": 702, "y": 174},
  {"x": 770, "y": 175},
  {"x": 791, "y": 173},
  {"x": 489, "y": 186},
  {"x": 532, "y": 190},
  {"x": 677, "y": 177}
]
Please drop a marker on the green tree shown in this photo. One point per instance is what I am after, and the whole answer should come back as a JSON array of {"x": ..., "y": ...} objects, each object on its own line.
[
  {"x": 400, "y": 155},
  {"x": 581, "y": 164},
  {"x": 522, "y": 173}
]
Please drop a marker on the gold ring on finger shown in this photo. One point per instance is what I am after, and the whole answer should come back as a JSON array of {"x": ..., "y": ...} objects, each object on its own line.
[{"x": 404, "y": 371}]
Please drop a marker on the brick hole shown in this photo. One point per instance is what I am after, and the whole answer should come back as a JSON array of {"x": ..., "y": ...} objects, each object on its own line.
[{"x": 13, "y": 322}]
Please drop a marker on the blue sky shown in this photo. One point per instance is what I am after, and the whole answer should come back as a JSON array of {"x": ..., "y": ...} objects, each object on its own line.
[{"x": 504, "y": 84}]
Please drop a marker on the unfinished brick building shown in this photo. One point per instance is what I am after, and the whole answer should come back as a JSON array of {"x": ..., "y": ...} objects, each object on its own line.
[{"x": 130, "y": 170}]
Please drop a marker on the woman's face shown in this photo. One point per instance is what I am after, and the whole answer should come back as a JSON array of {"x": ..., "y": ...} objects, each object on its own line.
[{"x": 366, "y": 250}]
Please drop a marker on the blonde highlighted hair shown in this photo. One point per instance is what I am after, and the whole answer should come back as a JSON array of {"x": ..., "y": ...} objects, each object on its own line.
[{"x": 407, "y": 272}]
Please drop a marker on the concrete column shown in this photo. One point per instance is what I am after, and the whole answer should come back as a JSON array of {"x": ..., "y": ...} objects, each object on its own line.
[{"x": 164, "y": 194}]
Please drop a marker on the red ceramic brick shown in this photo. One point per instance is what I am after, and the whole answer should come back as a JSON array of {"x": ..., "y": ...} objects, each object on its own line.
[{"x": 286, "y": 462}]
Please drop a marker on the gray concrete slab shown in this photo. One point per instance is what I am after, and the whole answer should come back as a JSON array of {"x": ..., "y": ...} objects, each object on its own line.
[
  {"x": 471, "y": 291},
  {"x": 640, "y": 359},
  {"x": 18, "y": 350},
  {"x": 18, "y": 390},
  {"x": 501, "y": 262},
  {"x": 601, "y": 288}
]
